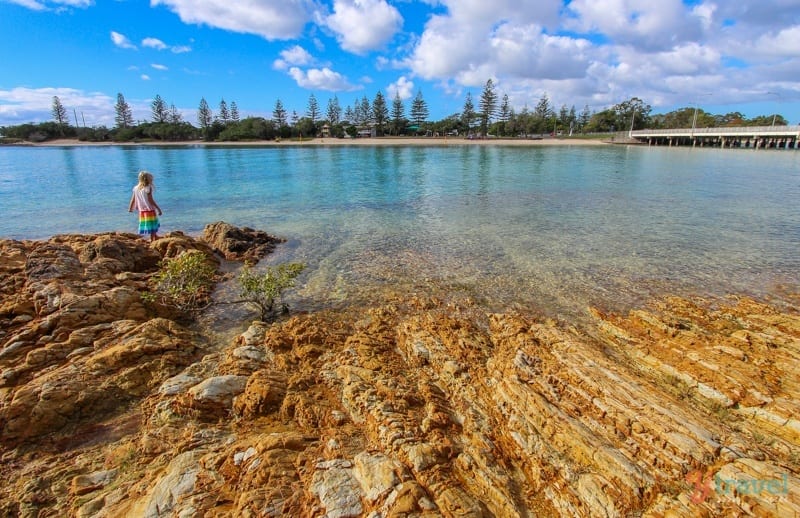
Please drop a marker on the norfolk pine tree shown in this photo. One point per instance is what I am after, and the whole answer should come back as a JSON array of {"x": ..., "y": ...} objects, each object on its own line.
[
  {"x": 279, "y": 115},
  {"x": 334, "y": 111},
  {"x": 159, "y": 109},
  {"x": 124, "y": 115},
  {"x": 419, "y": 110},
  {"x": 366, "y": 111},
  {"x": 175, "y": 116},
  {"x": 488, "y": 106},
  {"x": 59, "y": 113},
  {"x": 313, "y": 110},
  {"x": 505, "y": 113},
  {"x": 468, "y": 113},
  {"x": 380, "y": 112},
  {"x": 224, "y": 116},
  {"x": 398, "y": 114},
  {"x": 204, "y": 116}
]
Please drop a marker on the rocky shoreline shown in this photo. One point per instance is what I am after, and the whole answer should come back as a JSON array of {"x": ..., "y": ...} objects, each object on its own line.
[{"x": 413, "y": 406}]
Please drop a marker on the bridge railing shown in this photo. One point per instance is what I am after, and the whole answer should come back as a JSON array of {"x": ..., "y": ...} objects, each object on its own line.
[{"x": 728, "y": 130}]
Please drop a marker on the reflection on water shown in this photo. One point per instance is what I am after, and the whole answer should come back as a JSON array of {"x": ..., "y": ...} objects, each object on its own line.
[{"x": 557, "y": 228}]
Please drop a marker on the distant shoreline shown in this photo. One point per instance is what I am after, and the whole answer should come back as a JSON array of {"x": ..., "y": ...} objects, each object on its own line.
[{"x": 372, "y": 141}]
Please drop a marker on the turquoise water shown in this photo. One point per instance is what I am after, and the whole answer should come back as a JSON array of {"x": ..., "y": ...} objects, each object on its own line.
[{"x": 556, "y": 228}]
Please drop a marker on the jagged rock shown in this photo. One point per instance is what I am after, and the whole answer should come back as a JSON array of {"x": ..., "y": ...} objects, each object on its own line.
[
  {"x": 420, "y": 407},
  {"x": 215, "y": 395},
  {"x": 263, "y": 394},
  {"x": 239, "y": 244},
  {"x": 83, "y": 484},
  {"x": 377, "y": 474},
  {"x": 178, "y": 480},
  {"x": 337, "y": 489},
  {"x": 175, "y": 243}
]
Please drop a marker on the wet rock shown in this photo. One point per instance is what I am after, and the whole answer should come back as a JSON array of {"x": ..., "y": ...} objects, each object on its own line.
[{"x": 239, "y": 244}]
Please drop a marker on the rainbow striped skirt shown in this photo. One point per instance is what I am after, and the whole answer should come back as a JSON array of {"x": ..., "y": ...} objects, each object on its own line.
[{"x": 148, "y": 222}]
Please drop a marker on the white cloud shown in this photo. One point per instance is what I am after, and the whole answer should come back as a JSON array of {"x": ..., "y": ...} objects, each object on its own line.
[
  {"x": 487, "y": 13},
  {"x": 468, "y": 50},
  {"x": 784, "y": 43},
  {"x": 320, "y": 79},
  {"x": 402, "y": 87},
  {"x": 159, "y": 67},
  {"x": 52, "y": 4},
  {"x": 293, "y": 56},
  {"x": 121, "y": 41},
  {"x": 21, "y": 105},
  {"x": 644, "y": 23},
  {"x": 30, "y": 4},
  {"x": 154, "y": 43},
  {"x": 600, "y": 53},
  {"x": 270, "y": 19},
  {"x": 363, "y": 25},
  {"x": 145, "y": 77},
  {"x": 73, "y": 3}
]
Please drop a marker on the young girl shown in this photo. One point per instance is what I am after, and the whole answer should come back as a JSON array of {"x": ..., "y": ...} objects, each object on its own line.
[{"x": 142, "y": 200}]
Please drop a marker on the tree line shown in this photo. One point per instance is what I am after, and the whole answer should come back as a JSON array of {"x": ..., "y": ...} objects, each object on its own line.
[{"x": 493, "y": 116}]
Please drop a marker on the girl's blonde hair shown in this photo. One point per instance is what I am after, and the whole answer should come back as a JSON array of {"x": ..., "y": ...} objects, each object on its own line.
[{"x": 145, "y": 179}]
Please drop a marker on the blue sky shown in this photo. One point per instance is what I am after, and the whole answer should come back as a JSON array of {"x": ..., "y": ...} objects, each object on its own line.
[{"x": 720, "y": 55}]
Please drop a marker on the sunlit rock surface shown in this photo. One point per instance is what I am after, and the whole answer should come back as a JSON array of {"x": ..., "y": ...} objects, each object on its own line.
[{"x": 419, "y": 405}]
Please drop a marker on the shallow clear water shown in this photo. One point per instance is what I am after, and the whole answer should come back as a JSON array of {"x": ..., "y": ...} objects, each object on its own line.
[{"x": 556, "y": 228}]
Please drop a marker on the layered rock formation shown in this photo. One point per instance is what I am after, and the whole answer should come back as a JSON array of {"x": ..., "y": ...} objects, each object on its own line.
[{"x": 413, "y": 406}]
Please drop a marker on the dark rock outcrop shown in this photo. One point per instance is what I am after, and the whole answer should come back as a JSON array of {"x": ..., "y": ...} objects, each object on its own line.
[{"x": 239, "y": 243}]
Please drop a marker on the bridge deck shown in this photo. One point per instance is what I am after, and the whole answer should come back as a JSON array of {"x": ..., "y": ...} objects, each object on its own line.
[{"x": 786, "y": 137}]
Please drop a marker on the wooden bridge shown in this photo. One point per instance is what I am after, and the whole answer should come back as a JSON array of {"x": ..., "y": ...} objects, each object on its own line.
[{"x": 752, "y": 137}]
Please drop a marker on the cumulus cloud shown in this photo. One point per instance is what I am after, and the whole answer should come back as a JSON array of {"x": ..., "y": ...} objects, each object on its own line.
[
  {"x": 363, "y": 25},
  {"x": 159, "y": 67},
  {"x": 293, "y": 56},
  {"x": 600, "y": 53},
  {"x": 121, "y": 41},
  {"x": 784, "y": 43},
  {"x": 402, "y": 88},
  {"x": 21, "y": 105},
  {"x": 469, "y": 46},
  {"x": 487, "y": 13},
  {"x": 650, "y": 25},
  {"x": 144, "y": 77},
  {"x": 270, "y": 19},
  {"x": 320, "y": 79}
]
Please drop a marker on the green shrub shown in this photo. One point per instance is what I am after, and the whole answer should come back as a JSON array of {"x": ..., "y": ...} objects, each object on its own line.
[
  {"x": 265, "y": 290},
  {"x": 183, "y": 282}
]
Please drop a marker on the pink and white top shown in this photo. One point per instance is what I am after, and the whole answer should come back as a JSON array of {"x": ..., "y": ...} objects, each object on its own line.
[{"x": 140, "y": 195}]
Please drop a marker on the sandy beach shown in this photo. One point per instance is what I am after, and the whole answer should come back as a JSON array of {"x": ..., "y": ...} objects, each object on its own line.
[{"x": 376, "y": 141}]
